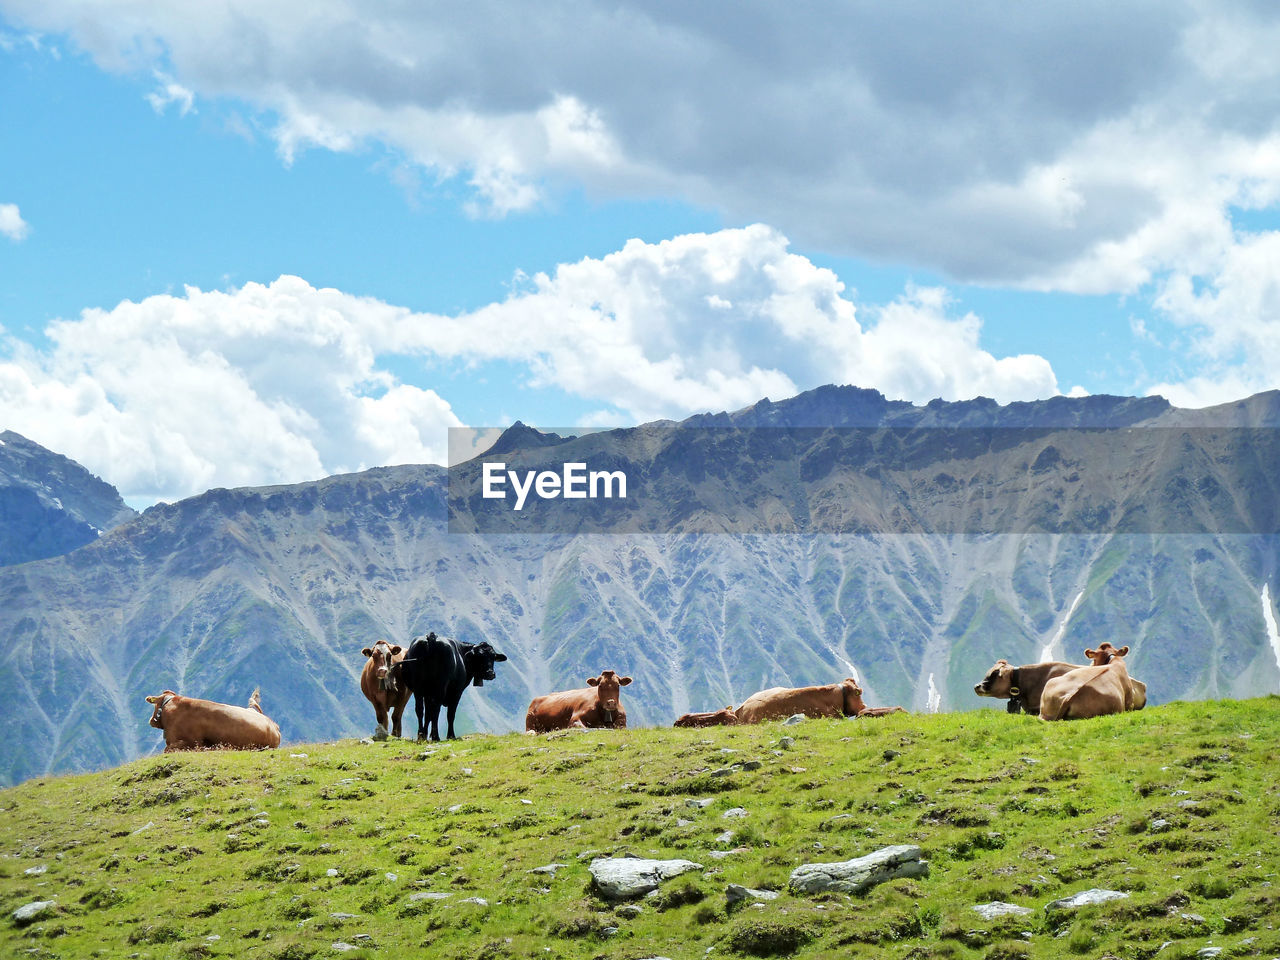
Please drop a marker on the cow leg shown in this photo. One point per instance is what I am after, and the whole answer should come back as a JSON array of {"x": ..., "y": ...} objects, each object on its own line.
[
  {"x": 433, "y": 713},
  {"x": 420, "y": 708},
  {"x": 381, "y": 711},
  {"x": 453, "y": 709},
  {"x": 395, "y": 718}
]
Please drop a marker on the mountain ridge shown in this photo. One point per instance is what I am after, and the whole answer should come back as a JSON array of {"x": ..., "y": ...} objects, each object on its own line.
[{"x": 281, "y": 586}]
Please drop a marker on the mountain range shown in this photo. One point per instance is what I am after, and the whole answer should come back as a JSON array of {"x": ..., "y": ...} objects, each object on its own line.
[{"x": 281, "y": 587}]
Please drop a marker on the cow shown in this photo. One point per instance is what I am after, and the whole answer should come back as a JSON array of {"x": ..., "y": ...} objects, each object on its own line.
[
  {"x": 879, "y": 711},
  {"x": 1021, "y": 685},
  {"x": 843, "y": 699},
  {"x": 381, "y": 683},
  {"x": 191, "y": 724},
  {"x": 1093, "y": 691},
  {"x": 438, "y": 672},
  {"x": 597, "y": 705},
  {"x": 713, "y": 718}
]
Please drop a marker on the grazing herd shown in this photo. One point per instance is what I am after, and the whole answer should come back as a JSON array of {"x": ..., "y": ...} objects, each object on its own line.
[{"x": 436, "y": 672}]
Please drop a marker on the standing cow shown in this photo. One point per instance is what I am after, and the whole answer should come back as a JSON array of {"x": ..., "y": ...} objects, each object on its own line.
[
  {"x": 191, "y": 724},
  {"x": 438, "y": 672},
  {"x": 598, "y": 705},
  {"x": 381, "y": 683}
]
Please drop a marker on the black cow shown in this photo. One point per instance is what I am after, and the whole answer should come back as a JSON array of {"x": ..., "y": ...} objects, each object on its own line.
[{"x": 438, "y": 671}]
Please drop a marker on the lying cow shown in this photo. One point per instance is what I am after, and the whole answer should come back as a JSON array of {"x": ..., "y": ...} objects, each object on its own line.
[
  {"x": 879, "y": 712},
  {"x": 438, "y": 672},
  {"x": 1021, "y": 686},
  {"x": 1093, "y": 691},
  {"x": 713, "y": 718},
  {"x": 843, "y": 699},
  {"x": 598, "y": 705},
  {"x": 191, "y": 724},
  {"x": 381, "y": 683}
]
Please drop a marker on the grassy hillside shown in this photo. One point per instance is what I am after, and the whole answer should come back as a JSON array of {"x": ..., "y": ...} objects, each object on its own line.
[{"x": 285, "y": 854}]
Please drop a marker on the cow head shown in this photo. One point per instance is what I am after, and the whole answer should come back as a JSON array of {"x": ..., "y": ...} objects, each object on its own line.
[
  {"x": 479, "y": 659},
  {"x": 608, "y": 689},
  {"x": 382, "y": 654},
  {"x": 998, "y": 682},
  {"x": 160, "y": 701},
  {"x": 853, "y": 704},
  {"x": 1105, "y": 653}
]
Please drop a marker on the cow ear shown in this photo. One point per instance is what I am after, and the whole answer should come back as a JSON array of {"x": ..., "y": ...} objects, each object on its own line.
[
  {"x": 1090, "y": 654},
  {"x": 1002, "y": 663},
  {"x": 623, "y": 681},
  {"x": 367, "y": 651},
  {"x": 1123, "y": 651},
  {"x": 500, "y": 657},
  {"x": 153, "y": 699},
  {"x": 396, "y": 649},
  {"x": 593, "y": 681}
]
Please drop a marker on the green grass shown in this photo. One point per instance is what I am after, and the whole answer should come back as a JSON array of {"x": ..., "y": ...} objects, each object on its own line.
[{"x": 154, "y": 858}]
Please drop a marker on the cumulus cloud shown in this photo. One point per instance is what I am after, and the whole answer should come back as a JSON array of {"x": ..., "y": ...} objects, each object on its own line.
[
  {"x": 1231, "y": 322},
  {"x": 284, "y": 382},
  {"x": 265, "y": 384},
  {"x": 11, "y": 223},
  {"x": 1087, "y": 146}
]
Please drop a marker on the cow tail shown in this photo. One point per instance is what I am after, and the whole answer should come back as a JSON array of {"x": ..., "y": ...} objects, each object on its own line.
[{"x": 254, "y": 703}]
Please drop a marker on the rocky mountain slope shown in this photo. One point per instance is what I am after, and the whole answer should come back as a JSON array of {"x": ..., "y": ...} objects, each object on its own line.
[
  {"x": 280, "y": 588},
  {"x": 50, "y": 505}
]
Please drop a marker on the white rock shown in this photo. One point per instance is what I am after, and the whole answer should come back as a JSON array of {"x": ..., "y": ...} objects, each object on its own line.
[
  {"x": 1085, "y": 898},
  {"x": 549, "y": 869},
  {"x": 735, "y": 813},
  {"x": 698, "y": 804},
  {"x": 36, "y": 870},
  {"x": 478, "y": 901},
  {"x": 795, "y": 718},
  {"x": 996, "y": 908},
  {"x": 735, "y": 893},
  {"x": 33, "y": 911},
  {"x": 428, "y": 895},
  {"x": 331, "y": 872},
  {"x": 853, "y": 876},
  {"x": 624, "y": 878}
]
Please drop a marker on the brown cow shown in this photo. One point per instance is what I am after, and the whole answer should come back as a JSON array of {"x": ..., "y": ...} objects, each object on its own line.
[
  {"x": 598, "y": 705},
  {"x": 843, "y": 699},
  {"x": 382, "y": 684},
  {"x": 714, "y": 718},
  {"x": 1093, "y": 691},
  {"x": 191, "y": 724},
  {"x": 879, "y": 711},
  {"x": 1021, "y": 686}
]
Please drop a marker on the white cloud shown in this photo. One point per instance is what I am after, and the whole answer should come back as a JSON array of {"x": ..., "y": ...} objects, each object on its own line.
[
  {"x": 1088, "y": 146},
  {"x": 1231, "y": 318},
  {"x": 285, "y": 382},
  {"x": 267, "y": 384},
  {"x": 11, "y": 223},
  {"x": 169, "y": 92}
]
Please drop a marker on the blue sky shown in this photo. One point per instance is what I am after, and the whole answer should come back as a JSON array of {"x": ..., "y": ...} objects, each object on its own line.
[{"x": 266, "y": 242}]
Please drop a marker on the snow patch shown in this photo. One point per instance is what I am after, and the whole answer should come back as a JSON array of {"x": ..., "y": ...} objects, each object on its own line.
[
  {"x": 934, "y": 700},
  {"x": 1269, "y": 617},
  {"x": 1047, "y": 653},
  {"x": 853, "y": 671}
]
